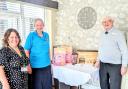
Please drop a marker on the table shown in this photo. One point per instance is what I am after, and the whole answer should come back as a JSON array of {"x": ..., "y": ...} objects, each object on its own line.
[{"x": 73, "y": 75}]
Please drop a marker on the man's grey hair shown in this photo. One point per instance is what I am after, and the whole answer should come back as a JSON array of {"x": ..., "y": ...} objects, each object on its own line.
[
  {"x": 109, "y": 18},
  {"x": 38, "y": 19}
]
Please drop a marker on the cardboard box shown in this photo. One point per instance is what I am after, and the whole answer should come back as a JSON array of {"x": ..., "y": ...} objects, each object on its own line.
[{"x": 87, "y": 56}]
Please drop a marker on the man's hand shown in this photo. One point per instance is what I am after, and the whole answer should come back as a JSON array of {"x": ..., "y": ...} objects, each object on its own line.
[
  {"x": 97, "y": 64},
  {"x": 29, "y": 69},
  {"x": 123, "y": 70}
]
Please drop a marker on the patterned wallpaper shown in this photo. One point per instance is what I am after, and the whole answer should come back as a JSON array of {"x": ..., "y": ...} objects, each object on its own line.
[{"x": 68, "y": 30}]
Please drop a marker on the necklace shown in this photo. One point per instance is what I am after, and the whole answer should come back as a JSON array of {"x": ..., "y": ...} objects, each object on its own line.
[{"x": 16, "y": 50}]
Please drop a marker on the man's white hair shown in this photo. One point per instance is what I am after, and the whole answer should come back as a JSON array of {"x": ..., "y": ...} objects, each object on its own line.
[{"x": 108, "y": 18}]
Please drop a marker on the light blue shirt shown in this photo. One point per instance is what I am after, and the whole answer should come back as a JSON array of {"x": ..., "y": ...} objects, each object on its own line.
[
  {"x": 113, "y": 48},
  {"x": 39, "y": 49}
]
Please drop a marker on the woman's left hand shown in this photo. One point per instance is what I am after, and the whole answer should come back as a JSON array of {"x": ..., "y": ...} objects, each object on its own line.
[{"x": 29, "y": 69}]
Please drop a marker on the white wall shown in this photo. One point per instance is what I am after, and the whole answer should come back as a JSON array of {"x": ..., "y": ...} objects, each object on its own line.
[{"x": 70, "y": 33}]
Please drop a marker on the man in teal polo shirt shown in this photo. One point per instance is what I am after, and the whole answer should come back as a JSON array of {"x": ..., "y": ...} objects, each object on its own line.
[{"x": 37, "y": 49}]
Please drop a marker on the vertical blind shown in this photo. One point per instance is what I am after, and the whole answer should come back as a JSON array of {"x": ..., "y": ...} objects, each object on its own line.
[{"x": 20, "y": 16}]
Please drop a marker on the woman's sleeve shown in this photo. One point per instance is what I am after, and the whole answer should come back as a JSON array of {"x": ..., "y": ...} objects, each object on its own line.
[{"x": 3, "y": 60}]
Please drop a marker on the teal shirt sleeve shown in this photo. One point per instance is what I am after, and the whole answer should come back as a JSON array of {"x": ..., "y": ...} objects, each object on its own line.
[
  {"x": 48, "y": 40},
  {"x": 28, "y": 43}
]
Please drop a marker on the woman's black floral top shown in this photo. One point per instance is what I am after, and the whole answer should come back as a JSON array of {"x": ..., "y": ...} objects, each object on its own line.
[{"x": 12, "y": 63}]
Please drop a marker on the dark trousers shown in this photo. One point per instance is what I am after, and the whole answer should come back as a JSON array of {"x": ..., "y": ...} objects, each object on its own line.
[
  {"x": 29, "y": 81},
  {"x": 110, "y": 76},
  {"x": 42, "y": 78}
]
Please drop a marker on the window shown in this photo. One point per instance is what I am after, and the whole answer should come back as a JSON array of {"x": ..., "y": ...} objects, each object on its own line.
[{"x": 19, "y": 16}]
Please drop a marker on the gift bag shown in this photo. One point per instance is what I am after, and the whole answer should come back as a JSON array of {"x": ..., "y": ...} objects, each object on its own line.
[{"x": 59, "y": 56}]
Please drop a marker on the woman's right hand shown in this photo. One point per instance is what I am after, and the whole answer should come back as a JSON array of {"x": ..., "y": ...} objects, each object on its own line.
[
  {"x": 3, "y": 79},
  {"x": 6, "y": 86}
]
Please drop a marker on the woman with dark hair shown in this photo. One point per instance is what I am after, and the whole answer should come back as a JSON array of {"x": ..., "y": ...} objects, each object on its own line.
[{"x": 13, "y": 62}]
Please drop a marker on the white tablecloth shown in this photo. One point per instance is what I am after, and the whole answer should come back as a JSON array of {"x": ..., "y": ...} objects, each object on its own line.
[{"x": 73, "y": 75}]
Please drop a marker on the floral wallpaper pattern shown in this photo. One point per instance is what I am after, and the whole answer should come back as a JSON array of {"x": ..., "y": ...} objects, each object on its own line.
[{"x": 69, "y": 32}]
